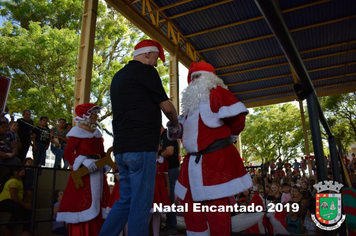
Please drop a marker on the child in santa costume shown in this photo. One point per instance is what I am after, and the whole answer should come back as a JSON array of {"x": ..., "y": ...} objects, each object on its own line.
[
  {"x": 213, "y": 170},
  {"x": 161, "y": 194},
  {"x": 84, "y": 208},
  {"x": 114, "y": 196}
]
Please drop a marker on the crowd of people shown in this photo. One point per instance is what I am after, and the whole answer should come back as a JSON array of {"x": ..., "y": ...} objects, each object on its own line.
[
  {"x": 277, "y": 185},
  {"x": 15, "y": 139},
  {"x": 18, "y": 135},
  {"x": 149, "y": 172}
]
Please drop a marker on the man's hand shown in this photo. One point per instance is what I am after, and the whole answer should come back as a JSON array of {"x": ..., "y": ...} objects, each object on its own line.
[{"x": 172, "y": 129}]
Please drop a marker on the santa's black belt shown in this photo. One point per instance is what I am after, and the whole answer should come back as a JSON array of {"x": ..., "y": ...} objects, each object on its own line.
[{"x": 214, "y": 146}]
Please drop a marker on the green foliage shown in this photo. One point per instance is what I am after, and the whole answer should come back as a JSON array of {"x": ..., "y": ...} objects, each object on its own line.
[
  {"x": 58, "y": 14},
  {"x": 272, "y": 132},
  {"x": 41, "y": 63},
  {"x": 39, "y": 51},
  {"x": 340, "y": 112}
]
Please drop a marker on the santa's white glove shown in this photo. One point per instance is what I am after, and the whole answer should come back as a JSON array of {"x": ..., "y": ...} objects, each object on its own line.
[
  {"x": 234, "y": 138},
  {"x": 90, "y": 164},
  {"x": 78, "y": 162},
  {"x": 174, "y": 132}
]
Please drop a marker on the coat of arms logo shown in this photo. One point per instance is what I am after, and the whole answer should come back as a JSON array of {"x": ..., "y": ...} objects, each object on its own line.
[{"x": 328, "y": 206}]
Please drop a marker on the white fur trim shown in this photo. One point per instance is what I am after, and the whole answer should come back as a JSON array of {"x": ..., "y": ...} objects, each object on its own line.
[
  {"x": 78, "y": 161},
  {"x": 96, "y": 185},
  {"x": 245, "y": 221},
  {"x": 144, "y": 50},
  {"x": 107, "y": 210},
  {"x": 190, "y": 133},
  {"x": 78, "y": 132},
  {"x": 209, "y": 118},
  {"x": 180, "y": 190},
  {"x": 233, "y": 110},
  {"x": 78, "y": 118},
  {"x": 213, "y": 120},
  {"x": 227, "y": 189},
  {"x": 160, "y": 159},
  {"x": 104, "y": 213},
  {"x": 205, "y": 233},
  {"x": 261, "y": 227},
  {"x": 200, "y": 72},
  {"x": 278, "y": 228}
]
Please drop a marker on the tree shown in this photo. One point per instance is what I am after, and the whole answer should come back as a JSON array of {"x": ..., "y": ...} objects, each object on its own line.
[
  {"x": 272, "y": 132},
  {"x": 41, "y": 63},
  {"x": 340, "y": 112},
  {"x": 39, "y": 48},
  {"x": 58, "y": 14}
]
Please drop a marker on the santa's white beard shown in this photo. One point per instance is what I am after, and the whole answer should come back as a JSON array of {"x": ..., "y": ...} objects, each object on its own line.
[{"x": 199, "y": 91}]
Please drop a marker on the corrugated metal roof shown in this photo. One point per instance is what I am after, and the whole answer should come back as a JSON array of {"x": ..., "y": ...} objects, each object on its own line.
[{"x": 248, "y": 57}]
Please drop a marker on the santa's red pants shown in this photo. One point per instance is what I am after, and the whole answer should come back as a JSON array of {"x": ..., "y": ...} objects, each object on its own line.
[{"x": 196, "y": 222}]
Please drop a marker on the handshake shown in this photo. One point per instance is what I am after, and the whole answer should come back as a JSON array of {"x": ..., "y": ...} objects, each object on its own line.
[{"x": 174, "y": 132}]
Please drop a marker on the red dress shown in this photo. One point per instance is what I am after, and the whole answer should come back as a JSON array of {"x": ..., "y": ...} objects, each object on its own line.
[
  {"x": 84, "y": 208},
  {"x": 160, "y": 195}
]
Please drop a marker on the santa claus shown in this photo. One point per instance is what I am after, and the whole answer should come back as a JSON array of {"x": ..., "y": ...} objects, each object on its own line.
[
  {"x": 84, "y": 208},
  {"x": 213, "y": 170}
]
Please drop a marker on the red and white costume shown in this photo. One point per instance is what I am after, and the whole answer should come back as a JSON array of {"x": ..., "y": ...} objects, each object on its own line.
[
  {"x": 160, "y": 195},
  {"x": 115, "y": 195},
  {"x": 84, "y": 208},
  {"x": 220, "y": 174}
]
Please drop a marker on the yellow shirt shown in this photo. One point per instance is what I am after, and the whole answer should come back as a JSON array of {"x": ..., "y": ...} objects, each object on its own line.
[{"x": 12, "y": 183}]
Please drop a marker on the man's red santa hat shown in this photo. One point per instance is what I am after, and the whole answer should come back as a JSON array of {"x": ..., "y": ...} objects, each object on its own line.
[
  {"x": 149, "y": 45},
  {"x": 84, "y": 111},
  {"x": 198, "y": 68}
]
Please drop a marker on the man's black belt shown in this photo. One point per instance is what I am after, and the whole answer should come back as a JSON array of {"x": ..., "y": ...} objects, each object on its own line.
[{"x": 216, "y": 145}]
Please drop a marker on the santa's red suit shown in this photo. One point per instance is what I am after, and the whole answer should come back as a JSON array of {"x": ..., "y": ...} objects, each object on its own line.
[
  {"x": 84, "y": 208},
  {"x": 219, "y": 174}
]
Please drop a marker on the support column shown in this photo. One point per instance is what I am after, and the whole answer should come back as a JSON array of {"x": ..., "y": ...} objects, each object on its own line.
[
  {"x": 86, "y": 51},
  {"x": 239, "y": 145},
  {"x": 174, "y": 79},
  {"x": 305, "y": 134}
]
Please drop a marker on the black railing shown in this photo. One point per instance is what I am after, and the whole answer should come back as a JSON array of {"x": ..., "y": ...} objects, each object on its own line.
[
  {"x": 304, "y": 89},
  {"x": 38, "y": 171}
]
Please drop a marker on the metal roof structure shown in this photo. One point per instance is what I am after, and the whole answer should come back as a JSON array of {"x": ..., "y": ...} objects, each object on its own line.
[{"x": 234, "y": 37}]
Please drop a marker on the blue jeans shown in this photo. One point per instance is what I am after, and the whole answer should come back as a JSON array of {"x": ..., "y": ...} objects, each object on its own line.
[
  {"x": 173, "y": 174},
  {"x": 137, "y": 171},
  {"x": 59, "y": 152},
  {"x": 40, "y": 154}
]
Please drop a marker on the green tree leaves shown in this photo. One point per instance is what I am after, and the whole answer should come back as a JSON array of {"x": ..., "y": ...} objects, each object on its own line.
[
  {"x": 39, "y": 51},
  {"x": 272, "y": 132}
]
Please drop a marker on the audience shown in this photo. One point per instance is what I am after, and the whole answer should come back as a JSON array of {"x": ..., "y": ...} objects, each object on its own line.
[
  {"x": 11, "y": 201},
  {"x": 25, "y": 131},
  {"x": 40, "y": 139}
]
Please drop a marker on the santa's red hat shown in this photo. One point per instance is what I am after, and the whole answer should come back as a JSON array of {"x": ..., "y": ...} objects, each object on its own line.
[
  {"x": 198, "y": 68},
  {"x": 84, "y": 111},
  {"x": 149, "y": 45}
]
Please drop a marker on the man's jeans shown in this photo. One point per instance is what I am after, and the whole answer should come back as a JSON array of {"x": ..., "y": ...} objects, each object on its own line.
[
  {"x": 173, "y": 174},
  {"x": 59, "y": 153},
  {"x": 137, "y": 171}
]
